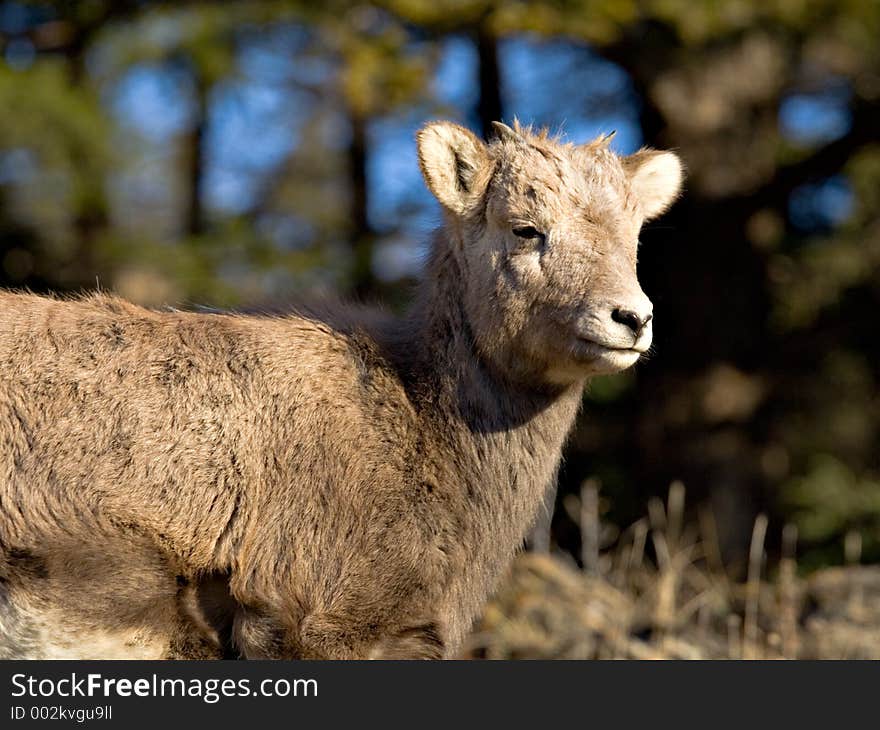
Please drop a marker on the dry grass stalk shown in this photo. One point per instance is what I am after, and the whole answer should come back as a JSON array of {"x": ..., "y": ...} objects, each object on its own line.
[
  {"x": 852, "y": 551},
  {"x": 788, "y": 604},
  {"x": 852, "y": 547},
  {"x": 640, "y": 537},
  {"x": 703, "y": 619},
  {"x": 675, "y": 515},
  {"x": 590, "y": 527},
  {"x": 734, "y": 644},
  {"x": 539, "y": 539},
  {"x": 751, "y": 647},
  {"x": 673, "y": 558},
  {"x": 710, "y": 542}
]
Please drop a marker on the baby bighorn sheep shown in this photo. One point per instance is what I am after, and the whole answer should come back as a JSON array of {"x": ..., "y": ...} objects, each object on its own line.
[{"x": 320, "y": 485}]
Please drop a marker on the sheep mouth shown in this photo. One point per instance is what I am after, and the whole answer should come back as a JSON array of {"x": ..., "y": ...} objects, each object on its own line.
[{"x": 587, "y": 343}]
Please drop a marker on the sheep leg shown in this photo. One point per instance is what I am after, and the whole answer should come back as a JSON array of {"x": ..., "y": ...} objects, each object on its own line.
[{"x": 332, "y": 636}]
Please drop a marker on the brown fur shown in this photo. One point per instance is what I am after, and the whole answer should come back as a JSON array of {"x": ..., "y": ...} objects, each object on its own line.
[{"x": 339, "y": 484}]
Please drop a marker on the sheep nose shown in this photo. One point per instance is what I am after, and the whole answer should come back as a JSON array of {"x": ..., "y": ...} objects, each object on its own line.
[{"x": 635, "y": 321}]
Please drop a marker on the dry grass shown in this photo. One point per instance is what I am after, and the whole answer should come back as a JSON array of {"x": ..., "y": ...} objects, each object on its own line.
[{"x": 679, "y": 603}]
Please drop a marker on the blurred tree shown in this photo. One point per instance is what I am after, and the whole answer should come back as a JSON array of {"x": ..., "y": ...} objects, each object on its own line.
[{"x": 226, "y": 153}]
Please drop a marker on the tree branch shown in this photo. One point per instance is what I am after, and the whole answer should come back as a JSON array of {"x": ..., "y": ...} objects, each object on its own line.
[{"x": 824, "y": 162}]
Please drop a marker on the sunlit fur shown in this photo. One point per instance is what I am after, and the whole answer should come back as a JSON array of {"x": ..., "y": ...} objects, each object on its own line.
[
  {"x": 327, "y": 484},
  {"x": 534, "y": 303}
]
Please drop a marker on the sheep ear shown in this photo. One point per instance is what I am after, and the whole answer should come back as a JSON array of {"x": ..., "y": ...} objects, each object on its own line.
[
  {"x": 655, "y": 178},
  {"x": 452, "y": 159}
]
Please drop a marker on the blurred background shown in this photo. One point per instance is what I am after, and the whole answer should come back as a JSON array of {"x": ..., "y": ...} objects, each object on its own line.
[{"x": 242, "y": 154}]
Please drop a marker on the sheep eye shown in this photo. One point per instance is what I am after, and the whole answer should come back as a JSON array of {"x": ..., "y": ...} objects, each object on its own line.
[{"x": 527, "y": 232}]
